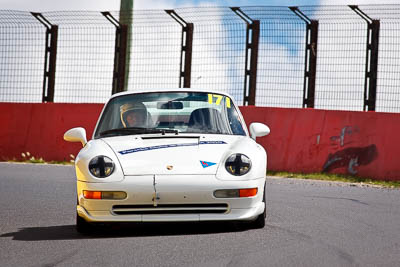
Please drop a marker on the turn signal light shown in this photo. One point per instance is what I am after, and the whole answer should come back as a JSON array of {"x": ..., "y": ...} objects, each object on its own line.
[
  {"x": 91, "y": 194},
  {"x": 104, "y": 194},
  {"x": 251, "y": 192},
  {"x": 233, "y": 193}
]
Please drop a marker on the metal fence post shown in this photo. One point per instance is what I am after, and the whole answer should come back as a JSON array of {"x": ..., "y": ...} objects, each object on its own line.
[
  {"x": 186, "y": 49},
  {"x": 310, "y": 64},
  {"x": 126, "y": 18},
  {"x": 252, "y": 41},
  {"x": 371, "y": 64},
  {"x": 121, "y": 38},
  {"x": 49, "y": 59}
]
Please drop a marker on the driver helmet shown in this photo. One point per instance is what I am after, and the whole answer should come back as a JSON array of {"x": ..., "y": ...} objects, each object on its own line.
[{"x": 138, "y": 107}]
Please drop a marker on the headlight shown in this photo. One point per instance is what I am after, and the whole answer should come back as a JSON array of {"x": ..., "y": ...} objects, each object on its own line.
[
  {"x": 238, "y": 164},
  {"x": 101, "y": 166}
]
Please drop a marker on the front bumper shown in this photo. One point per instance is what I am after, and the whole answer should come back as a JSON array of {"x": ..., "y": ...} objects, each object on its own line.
[{"x": 170, "y": 190}]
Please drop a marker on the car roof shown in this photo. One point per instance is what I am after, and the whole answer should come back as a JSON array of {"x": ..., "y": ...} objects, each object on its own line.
[{"x": 152, "y": 90}]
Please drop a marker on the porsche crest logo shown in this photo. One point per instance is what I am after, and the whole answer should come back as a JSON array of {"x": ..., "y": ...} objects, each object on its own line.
[{"x": 170, "y": 167}]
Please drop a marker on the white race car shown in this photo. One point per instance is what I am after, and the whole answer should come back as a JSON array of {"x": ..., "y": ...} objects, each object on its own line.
[{"x": 168, "y": 156}]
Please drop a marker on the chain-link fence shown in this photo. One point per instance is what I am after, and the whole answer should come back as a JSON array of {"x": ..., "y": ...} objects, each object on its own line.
[
  {"x": 280, "y": 71},
  {"x": 327, "y": 57},
  {"x": 22, "y": 45},
  {"x": 154, "y": 55}
]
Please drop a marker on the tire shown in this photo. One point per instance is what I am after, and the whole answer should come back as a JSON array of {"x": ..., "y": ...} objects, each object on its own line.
[
  {"x": 260, "y": 221},
  {"x": 82, "y": 226}
]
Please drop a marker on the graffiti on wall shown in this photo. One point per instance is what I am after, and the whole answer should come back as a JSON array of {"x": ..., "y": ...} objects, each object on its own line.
[
  {"x": 341, "y": 140},
  {"x": 346, "y": 156},
  {"x": 351, "y": 158}
]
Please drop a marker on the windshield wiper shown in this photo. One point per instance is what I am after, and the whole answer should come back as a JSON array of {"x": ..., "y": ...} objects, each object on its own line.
[{"x": 136, "y": 130}]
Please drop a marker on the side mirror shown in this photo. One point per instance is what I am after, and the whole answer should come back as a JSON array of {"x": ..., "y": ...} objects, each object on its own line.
[
  {"x": 76, "y": 135},
  {"x": 258, "y": 129}
]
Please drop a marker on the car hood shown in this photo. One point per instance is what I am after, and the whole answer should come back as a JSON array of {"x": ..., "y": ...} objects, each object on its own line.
[{"x": 171, "y": 154}]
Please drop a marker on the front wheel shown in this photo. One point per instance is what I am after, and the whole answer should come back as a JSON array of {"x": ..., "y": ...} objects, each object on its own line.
[
  {"x": 82, "y": 226},
  {"x": 260, "y": 221}
]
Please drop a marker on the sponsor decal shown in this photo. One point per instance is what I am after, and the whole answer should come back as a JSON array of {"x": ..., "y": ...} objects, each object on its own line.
[
  {"x": 211, "y": 142},
  {"x": 206, "y": 164},
  {"x": 148, "y": 148}
]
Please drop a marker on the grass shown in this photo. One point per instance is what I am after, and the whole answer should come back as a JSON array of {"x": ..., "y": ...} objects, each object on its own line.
[
  {"x": 336, "y": 177},
  {"x": 41, "y": 161},
  {"x": 28, "y": 158}
]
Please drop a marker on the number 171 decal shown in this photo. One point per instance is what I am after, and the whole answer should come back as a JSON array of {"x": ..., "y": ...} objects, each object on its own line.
[{"x": 218, "y": 99}]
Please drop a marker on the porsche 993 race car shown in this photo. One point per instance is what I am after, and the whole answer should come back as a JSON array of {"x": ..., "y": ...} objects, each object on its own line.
[{"x": 169, "y": 156}]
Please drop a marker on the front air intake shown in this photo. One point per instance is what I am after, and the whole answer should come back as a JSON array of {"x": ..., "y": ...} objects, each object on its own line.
[{"x": 169, "y": 209}]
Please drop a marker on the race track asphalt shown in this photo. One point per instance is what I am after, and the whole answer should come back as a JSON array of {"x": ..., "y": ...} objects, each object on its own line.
[{"x": 309, "y": 223}]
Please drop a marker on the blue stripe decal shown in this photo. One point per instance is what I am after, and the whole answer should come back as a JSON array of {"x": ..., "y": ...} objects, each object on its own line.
[{"x": 141, "y": 149}]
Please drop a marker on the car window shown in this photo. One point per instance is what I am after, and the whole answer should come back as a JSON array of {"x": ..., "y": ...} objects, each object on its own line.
[{"x": 186, "y": 112}]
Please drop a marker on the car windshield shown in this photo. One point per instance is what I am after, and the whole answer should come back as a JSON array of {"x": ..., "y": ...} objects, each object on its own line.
[{"x": 170, "y": 112}]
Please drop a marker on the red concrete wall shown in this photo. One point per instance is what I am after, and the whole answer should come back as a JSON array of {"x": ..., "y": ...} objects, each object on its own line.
[
  {"x": 308, "y": 140},
  {"x": 301, "y": 140},
  {"x": 39, "y": 128}
]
